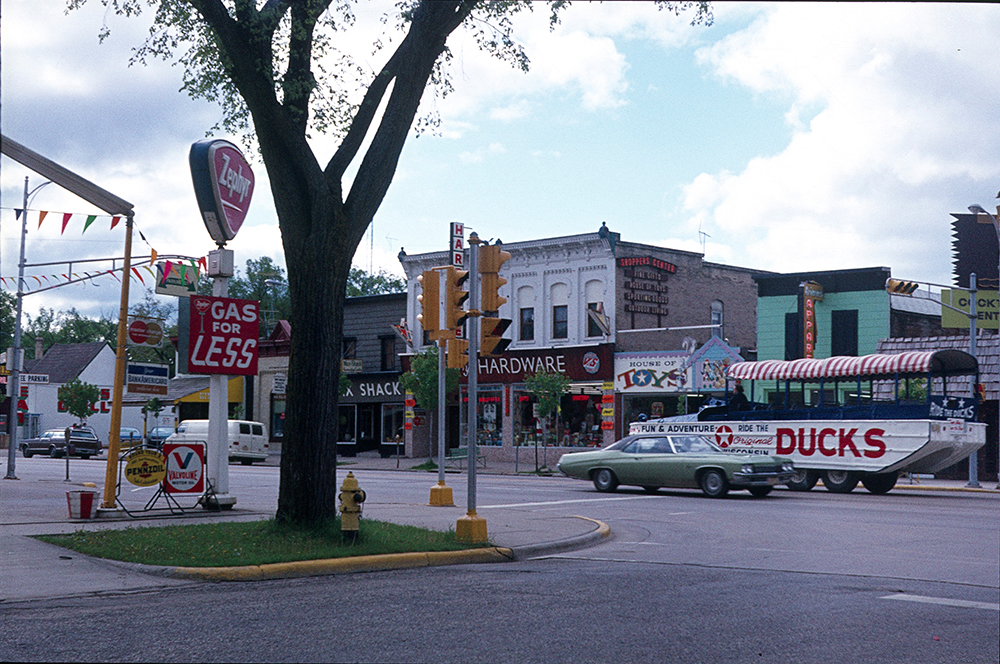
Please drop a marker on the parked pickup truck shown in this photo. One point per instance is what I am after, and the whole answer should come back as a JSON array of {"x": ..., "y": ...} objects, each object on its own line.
[{"x": 83, "y": 442}]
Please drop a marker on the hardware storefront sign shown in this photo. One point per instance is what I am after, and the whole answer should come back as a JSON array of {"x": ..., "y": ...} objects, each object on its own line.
[{"x": 223, "y": 334}]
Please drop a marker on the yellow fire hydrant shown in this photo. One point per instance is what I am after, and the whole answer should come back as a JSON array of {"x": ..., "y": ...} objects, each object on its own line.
[{"x": 351, "y": 497}]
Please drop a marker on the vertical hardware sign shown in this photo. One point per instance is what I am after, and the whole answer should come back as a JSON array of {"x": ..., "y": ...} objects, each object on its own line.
[{"x": 224, "y": 334}]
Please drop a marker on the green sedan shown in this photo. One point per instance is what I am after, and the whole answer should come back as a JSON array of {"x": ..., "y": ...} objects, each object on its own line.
[{"x": 678, "y": 462}]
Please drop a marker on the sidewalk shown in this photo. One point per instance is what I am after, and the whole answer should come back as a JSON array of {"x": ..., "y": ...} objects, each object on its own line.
[{"x": 30, "y": 569}]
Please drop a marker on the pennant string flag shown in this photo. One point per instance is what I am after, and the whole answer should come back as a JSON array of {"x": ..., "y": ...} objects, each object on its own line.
[
  {"x": 41, "y": 217},
  {"x": 90, "y": 220},
  {"x": 114, "y": 222},
  {"x": 66, "y": 217}
]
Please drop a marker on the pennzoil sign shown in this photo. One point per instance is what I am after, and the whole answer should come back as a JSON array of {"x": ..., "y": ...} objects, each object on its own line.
[{"x": 145, "y": 468}]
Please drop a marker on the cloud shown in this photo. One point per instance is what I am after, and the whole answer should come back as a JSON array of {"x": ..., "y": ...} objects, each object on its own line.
[{"x": 893, "y": 110}]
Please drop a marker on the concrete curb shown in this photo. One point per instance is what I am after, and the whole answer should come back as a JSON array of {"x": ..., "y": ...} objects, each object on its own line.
[
  {"x": 304, "y": 568},
  {"x": 385, "y": 562},
  {"x": 924, "y": 487},
  {"x": 600, "y": 533}
]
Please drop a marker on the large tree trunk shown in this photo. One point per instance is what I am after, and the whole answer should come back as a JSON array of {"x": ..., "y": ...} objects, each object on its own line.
[{"x": 320, "y": 230}]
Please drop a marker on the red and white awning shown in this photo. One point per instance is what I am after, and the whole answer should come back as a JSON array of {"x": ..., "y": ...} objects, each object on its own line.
[{"x": 939, "y": 362}]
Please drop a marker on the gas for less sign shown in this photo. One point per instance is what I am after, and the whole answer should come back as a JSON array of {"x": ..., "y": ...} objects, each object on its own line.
[{"x": 223, "y": 335}]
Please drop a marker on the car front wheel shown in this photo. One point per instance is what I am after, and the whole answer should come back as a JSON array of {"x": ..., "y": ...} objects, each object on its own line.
[
  {"x": 605, "y": 480},
  {"x": 54, "y": 452},
  {"x": 714, "y": 484}
]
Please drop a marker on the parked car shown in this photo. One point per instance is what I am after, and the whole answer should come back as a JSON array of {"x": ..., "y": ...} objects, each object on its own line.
[
  {"x": 679, "y": 462},
  {"x": 129, "y": 437},
  {"x": 157, "y": 435},
  {"x": 84, "y": 443}
]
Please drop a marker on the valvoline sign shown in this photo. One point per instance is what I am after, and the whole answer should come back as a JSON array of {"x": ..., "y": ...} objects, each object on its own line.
[
  {"x": 223, "y": 336},
  {"x": 223, "y": 185},
  {"x": 185, "y": 467}
]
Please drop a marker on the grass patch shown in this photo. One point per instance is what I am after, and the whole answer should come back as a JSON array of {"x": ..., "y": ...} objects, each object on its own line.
[
  {"x": 426, "y": 465},
  {"x": 251, "y": 543}
]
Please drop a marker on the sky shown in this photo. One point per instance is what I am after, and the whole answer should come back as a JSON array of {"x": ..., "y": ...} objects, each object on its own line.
[{"x": 785, "y": 137}]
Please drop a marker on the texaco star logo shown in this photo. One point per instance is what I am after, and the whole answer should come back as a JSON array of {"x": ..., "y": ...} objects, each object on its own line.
[
  {"x": 724, "y": 436},
  {"x": 642, "y": 378}
]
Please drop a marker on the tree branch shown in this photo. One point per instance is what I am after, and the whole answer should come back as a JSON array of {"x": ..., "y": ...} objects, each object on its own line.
[{"x": 412, "y": 65}]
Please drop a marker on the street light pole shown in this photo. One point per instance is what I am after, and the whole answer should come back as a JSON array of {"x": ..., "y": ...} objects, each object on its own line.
[
  {"x": 15, "y": 362},
  {"x": 995, "y": 219}
]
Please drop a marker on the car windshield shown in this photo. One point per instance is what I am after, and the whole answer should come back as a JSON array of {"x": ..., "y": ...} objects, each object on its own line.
[{"x": 693, "y": 445}]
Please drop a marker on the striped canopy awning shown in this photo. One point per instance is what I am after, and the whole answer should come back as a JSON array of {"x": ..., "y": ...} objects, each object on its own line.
[{"x": 938, "y": 362}]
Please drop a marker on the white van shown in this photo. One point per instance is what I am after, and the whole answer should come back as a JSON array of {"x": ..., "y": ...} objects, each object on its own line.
[{"x": 247, "y": 440}]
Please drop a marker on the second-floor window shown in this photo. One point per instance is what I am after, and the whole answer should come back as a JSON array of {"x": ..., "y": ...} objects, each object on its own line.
[
  {"x": 350, "y": 348},
  {"x": 560, "y": 321},
  {"x": 527, "y": 327},
  {"x": 388, "y": 353},
  {"x": 717, "y": 318}
]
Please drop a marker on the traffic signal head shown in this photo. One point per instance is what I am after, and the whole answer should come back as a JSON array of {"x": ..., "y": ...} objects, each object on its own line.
[
  {"x": 455, "y": 297},
  {"x": 491, "y": 259},
  {"x": 430, "y": 302},
  {"x": 458, "y": 353},
  {"x": 900, "y": 287},
  {"x": 491, "y": 341}
]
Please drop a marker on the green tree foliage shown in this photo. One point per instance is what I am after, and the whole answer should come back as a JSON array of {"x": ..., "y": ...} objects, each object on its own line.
[
  {"x": 7, "y": 306},
  {"x": 422, "y": 381},
  {"x": 360, "y": 282},
  {"x": 79, "y": 398},
  {"x": 67, "y": 327},
  {"x": 549, "y": 389},
  {"x": 275, "y": 69}
]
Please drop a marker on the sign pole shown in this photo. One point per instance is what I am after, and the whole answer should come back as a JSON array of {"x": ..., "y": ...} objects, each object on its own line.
[
  {"x": 110, "y": 474},
  {"x": 218, "y": 404}
]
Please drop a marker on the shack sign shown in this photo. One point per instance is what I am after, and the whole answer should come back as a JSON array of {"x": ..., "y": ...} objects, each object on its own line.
[
  {"x": 223, "y": 186},
  {"x": 223, "y": 335}
]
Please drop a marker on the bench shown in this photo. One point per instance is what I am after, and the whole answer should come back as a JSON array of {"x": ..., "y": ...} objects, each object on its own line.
[{"x": 460, "y": 455}]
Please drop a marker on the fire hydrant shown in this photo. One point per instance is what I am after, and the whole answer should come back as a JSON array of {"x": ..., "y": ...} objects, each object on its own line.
[{"x": 351, "y": 497}]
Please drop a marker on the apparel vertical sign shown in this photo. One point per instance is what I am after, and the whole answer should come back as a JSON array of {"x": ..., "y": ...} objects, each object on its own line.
[{"x": 812, "y": 293}]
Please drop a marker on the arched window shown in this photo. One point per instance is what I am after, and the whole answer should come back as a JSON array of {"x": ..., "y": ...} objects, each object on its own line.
[{"x": 717, "y": 318}]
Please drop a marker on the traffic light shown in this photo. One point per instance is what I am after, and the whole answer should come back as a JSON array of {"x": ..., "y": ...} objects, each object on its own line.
[
  {"x": 491, "y": 340},
  {"x": 458, "y": 353},
  {"x": 430, "y": 303},
  {"x": 900, "y": 287},
  {"x": 491, "y": 259},
  {"x": 454, "y": 298}
]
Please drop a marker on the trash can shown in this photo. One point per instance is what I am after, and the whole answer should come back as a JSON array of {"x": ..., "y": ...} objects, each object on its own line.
[{"x": 82, "y": 504}]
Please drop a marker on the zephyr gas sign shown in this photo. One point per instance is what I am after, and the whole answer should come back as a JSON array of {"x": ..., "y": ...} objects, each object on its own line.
[{"x": 223, "y": 185}]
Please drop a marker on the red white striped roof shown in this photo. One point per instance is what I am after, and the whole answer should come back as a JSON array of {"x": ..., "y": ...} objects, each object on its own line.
[{"x": 941, "y": 362}]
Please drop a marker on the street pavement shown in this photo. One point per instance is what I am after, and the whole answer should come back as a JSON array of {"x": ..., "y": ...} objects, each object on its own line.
[{"x": 36, "y": 503}]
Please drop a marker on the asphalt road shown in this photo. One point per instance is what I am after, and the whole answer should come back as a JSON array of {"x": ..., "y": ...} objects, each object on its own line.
[{"x": 794, "y": 577}]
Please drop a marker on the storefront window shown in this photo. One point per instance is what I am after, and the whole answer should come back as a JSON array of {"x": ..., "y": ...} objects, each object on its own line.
[
  {"x": 524, "y": 417},
  {"x": 490, "y": 415},
  {"x": 348, "y": 429},
  {"x": 393, "y": 416},
  {"x": 580, "y": 424}
]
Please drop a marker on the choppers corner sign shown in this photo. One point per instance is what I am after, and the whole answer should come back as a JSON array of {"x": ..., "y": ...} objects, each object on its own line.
[
  {"x": 223, "y": 186},
  {"x": 223, "y": 334}
]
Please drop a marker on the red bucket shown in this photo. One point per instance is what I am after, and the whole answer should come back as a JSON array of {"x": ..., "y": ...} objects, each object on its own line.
[{"x": 82, "y": 504}]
